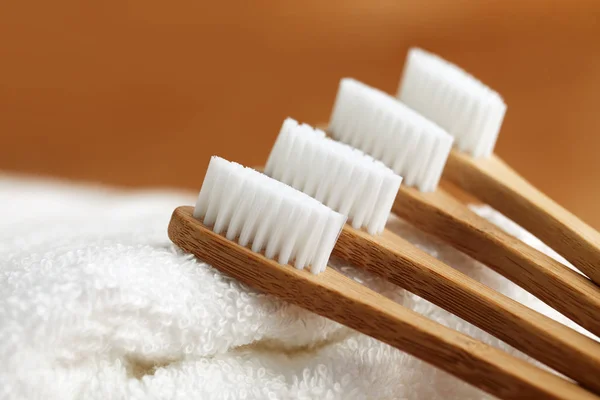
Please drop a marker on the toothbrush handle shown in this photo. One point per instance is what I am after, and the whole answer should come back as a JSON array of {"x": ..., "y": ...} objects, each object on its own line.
[
  {"x": 443, "y": 216},
  {"x": 341, "y": 299},
  {"x": 403, "y": 264},
  {"x": 494, "y": 182}
]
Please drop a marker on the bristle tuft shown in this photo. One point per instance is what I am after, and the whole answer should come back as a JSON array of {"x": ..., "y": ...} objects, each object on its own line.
[
  {"x": 343, "y": 178},
  {"x": 271, "y": 217},
  {"x": 383, "y": 127},
  {"x": 455, "y": 100}
]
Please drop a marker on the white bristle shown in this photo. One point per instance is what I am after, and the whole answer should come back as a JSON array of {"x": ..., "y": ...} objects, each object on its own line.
[
  {"x": 380, "y": 125},
  {"x": 286, "y": 224},
  {"x": 455, "y": 100},
  {"x": 343, "y": 178}
]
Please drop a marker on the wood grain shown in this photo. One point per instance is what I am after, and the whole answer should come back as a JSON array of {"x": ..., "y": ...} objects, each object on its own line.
[
  {"x": 441, "y": 215},
  {"x": 334, "y": 296},
  {"x": 544, "y": 339},
  {"x": 495, "y": 183}
]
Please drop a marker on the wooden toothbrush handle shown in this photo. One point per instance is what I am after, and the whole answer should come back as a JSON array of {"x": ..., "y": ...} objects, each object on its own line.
[
  {"x": 341, "y": 299},
  {"x": 403, "y": 264},
  {"x": 441, "y": 215},
  {"x": 494, "y": 182}
]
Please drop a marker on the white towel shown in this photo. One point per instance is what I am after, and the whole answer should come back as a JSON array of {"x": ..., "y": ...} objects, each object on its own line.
[{"x": 96, "y": 303}]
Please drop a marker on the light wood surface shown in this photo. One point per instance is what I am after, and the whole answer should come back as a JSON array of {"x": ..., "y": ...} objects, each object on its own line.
[
  {"x": 495, "y": 183},
  {"x": 439, "y": 214},
  {"x": 405, "y": 265},
  {"x": 334, "y": 296}
]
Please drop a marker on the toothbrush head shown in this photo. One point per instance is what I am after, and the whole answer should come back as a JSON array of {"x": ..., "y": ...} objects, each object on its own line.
[
  {"x": 381, "y": 126},
  {"x": 455, "y": 100},
  {"x": 271, "y": 217},
  {"x": 339, "y": 176}
]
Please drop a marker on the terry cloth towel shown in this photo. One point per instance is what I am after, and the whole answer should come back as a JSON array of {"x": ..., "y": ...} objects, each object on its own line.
[{"x": 96, "y": 303}]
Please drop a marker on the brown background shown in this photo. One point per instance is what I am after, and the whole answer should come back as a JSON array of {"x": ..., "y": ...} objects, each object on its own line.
[{"x": 142, "y": 92}]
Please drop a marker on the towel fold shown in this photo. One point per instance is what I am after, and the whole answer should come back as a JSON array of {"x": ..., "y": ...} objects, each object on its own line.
[{"x": 96, "y": 303}]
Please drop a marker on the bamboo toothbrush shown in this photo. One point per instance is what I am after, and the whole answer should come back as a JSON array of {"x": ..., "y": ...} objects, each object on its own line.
[
  {"x": 287, "y": 224},
  {"x": 363, "y": 189},
  {"x": 377, "y": 123},
  {"x": 473, "y": 114}
]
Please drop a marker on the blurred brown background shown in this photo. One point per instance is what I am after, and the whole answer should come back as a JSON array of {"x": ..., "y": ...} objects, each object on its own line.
[{"x": 142, "y": 92}]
